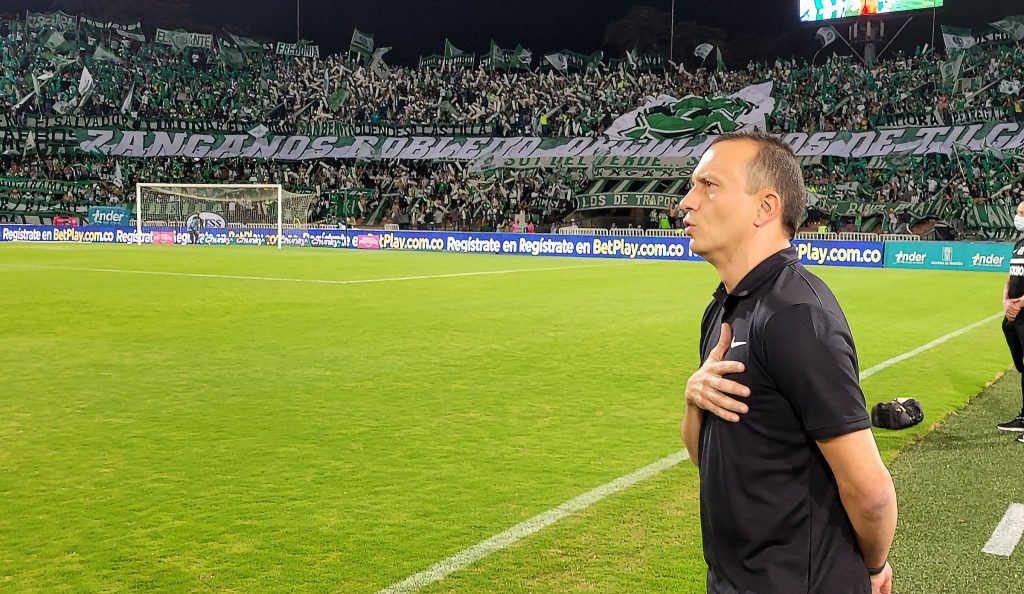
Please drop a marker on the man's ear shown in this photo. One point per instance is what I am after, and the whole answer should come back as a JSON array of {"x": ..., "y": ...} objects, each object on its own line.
[{"x": 769, "y": 208}]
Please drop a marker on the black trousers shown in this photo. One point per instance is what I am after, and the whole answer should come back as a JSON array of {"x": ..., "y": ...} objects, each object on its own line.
[
  {"x": 194, "y": 236},
  {"x": 1014, "y": 334}
]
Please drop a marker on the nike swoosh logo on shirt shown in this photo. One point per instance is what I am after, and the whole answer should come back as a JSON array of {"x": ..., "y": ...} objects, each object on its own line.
[{"x": 736, "y": 344}]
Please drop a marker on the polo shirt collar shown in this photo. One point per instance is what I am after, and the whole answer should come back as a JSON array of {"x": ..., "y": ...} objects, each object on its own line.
[{"x": 762, "y": 273}]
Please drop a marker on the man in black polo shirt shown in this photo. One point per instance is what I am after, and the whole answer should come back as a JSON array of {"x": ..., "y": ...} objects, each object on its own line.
[
  {"x": 794, "y": 495},
  {"x": 1013, "y": 323}
]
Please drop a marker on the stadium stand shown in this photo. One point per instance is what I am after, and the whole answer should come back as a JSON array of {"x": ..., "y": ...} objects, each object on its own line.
[{"x": 231, "y": 87}]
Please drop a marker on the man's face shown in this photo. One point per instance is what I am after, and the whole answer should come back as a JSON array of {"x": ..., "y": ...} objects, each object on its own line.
[
  {"x": 1020, "y": 209},
  {"x": 721, "y": 213}
]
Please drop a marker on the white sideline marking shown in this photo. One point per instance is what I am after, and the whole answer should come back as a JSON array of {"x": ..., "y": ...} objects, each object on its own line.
[
  {"x": 466, "y": 557},
  {"x": 884, "y": 364},
  {"x": 317, "y": 280},
  {"x": 1007, "y": 534},
  {"x": 521, "y": 530}
]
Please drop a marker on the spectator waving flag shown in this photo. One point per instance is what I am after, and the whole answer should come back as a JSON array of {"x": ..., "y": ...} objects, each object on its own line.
[
  {"x": 86, "y": 83},
  {"x": 826, "y": 35},
  {"x": 245, "y": 44},
  {"x": 522, "y": 56},
  {"x": 559, "y": 61},
  {"x": 957, "y": 38},
  {"x": 631, "y": 59},
  {"x": 126, "y": 105},
  {"x": 703, "y": 51},
  {"x": 102, "y": 54},
  {"x": 1012, "y": 26},
  {"x": 362, "y": 43},
  {"x": 450, "y": 51},
  {"x": 377, "y": 65},
  {"x": 951, "y": 70}
]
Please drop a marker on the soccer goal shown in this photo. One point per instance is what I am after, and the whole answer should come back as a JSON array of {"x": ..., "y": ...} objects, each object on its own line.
[{"x": 223, "y": 206}]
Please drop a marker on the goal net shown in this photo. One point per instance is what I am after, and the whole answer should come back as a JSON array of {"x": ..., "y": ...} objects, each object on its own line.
[{"x": 226, "y": 206}]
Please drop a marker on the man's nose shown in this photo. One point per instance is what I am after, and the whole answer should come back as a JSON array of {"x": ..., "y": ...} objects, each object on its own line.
[{"x": 689, "y": 201}]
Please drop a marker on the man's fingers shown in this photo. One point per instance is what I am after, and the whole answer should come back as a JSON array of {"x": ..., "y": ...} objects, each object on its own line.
[
  {"x": 721, "y": 412},
  {"x": 730, "y": 387},
  {"x": 725, "y": 368},
  {"x": 723, "y": 344},
  {"x": 723, "y": 401}
]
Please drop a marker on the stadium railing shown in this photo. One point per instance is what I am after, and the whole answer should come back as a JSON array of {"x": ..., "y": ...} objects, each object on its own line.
[
  {"x": 853, "y": 236},
  {"x": 815, "y": 235},
  {"x": 627, "y": 232},
  {"x": 900, "y": 237},
  {"x": 664, "y": 233},
  {"x": 583, "y": 231}
]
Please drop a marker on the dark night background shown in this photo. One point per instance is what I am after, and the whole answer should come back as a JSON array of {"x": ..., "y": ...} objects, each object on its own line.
[{"x": 744, "y": 29}]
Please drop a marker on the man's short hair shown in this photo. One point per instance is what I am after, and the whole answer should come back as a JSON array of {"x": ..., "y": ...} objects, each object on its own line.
[{"x": 775, "y": 167}]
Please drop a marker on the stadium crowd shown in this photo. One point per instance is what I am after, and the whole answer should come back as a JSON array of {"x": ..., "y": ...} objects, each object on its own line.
[{"x": 154, "y": 81}]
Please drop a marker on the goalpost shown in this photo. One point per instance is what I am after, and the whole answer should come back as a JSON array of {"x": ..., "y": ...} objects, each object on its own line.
[{"x": 228, "y": 206}]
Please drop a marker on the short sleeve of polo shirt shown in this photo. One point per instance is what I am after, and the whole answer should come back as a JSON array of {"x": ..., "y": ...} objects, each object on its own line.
[{"x": 811, "y": 359}]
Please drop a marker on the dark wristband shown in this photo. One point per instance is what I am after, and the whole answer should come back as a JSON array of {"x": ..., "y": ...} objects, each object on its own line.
[{"x": 873, "y": 571}]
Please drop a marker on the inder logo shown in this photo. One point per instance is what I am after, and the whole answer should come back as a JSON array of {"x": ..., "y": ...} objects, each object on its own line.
[
  {"x": 909, "y": 257},
  {"x": 109, "y": 216}
]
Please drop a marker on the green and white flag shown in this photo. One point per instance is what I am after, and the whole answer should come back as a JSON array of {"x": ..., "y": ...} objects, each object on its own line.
[
  {"x": 59, "y": 62},
  {"x": 666, "y": 117},
  {"x": 338, "y": 98},
  {"x": 496, "y": 57},
  {"x": 1012, "y": 26},
  {"x": 24, "y": 100},
  {"x": 559, "y": 61},
  {"x": 86, "y": 83},
  {"x": 566, "y": 61},
  {"x": 102, "y": 54},
  {"x": 246, "y": 44},
  {"x": 259, "y": 131},
  {"x": 1009, "y": 87},
  {"x": 522, "y": 56},
  {"x": 231, "y": 56},
  {"x": 720, "y": 63},
  {"x": 377, "y": 65},
  {"x": 957, "y": 38},
  {"x": 56, "y": 42},
  {"x": 35, "y": 88},
  {"x": 632, "y": 59},
  {"x": 826, "y": 35},
  {"x": 951, "y": 70},
  {"x": 503, "y": 59},
  {"x": 450, "y": 51},
  {"x": 362, "y": 43},
  {"x": 126, "y": 105},
  {"x": 703, "y": 51}
]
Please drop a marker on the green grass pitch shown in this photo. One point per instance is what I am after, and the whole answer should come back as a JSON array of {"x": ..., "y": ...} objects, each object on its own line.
[{"x": 187, "y": 432}]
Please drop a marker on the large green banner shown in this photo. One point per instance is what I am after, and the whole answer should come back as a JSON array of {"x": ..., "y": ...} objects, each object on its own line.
[
  {"x": 41, "y": 186},
  {"x": 495, "y": 152},
  {"x": 626, "y": 200}
]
